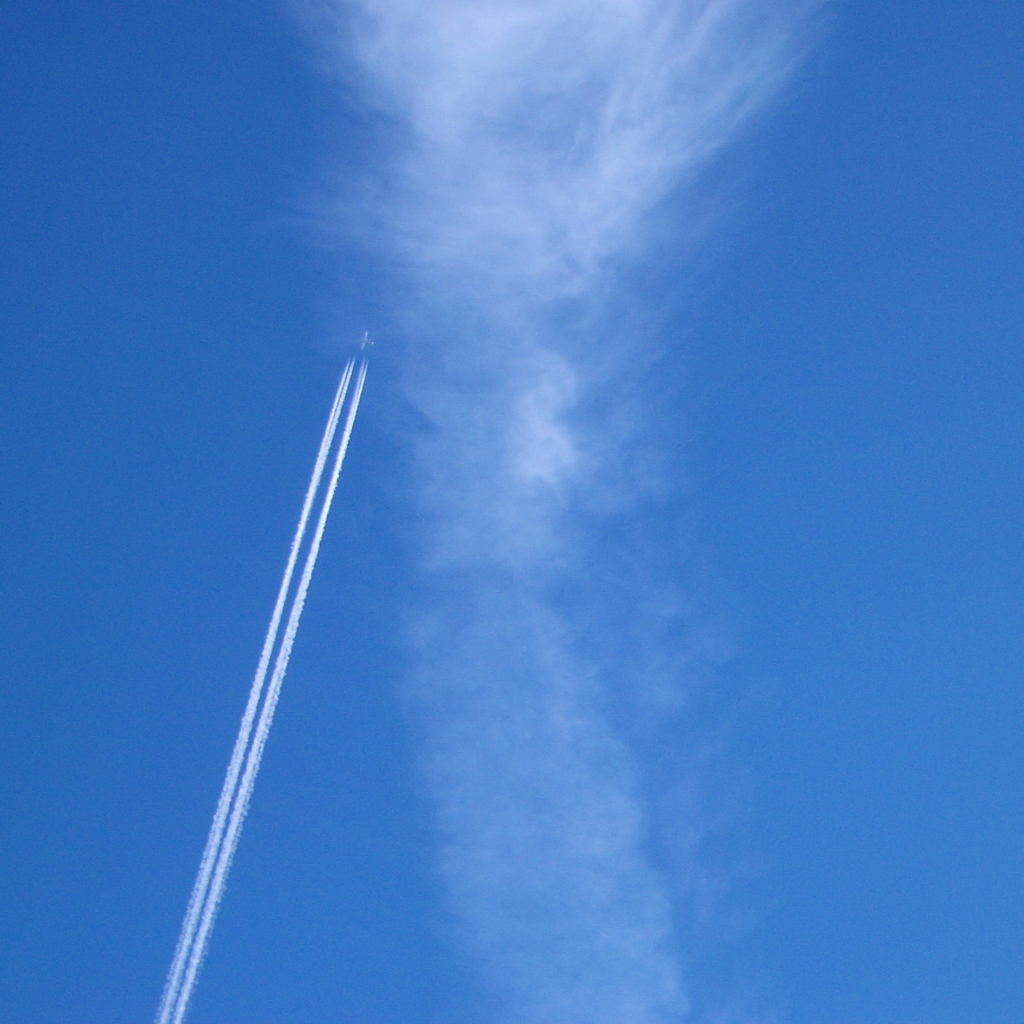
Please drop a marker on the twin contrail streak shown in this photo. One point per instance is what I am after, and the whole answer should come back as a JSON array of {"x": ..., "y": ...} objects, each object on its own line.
[
  {"x": 206, "y": 866},
  {"x": 238, "y": 782}
]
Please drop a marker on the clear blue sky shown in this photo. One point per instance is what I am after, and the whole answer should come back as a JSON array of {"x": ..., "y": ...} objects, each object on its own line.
[{"x": 848, "y": 385}]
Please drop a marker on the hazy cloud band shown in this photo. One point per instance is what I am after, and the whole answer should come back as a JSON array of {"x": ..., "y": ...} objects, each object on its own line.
[{"x": 535, "y": 142}]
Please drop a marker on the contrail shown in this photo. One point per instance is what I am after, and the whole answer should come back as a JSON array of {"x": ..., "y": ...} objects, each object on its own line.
[
  {"x": 227, "y": 794},
  {"x": 252, "y": 764},
  {"x": 234, "y": 799}
]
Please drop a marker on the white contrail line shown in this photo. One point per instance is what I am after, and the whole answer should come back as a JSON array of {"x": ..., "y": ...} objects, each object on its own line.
[
  {"x": 252, "y": 762},
  {"x": 213, "y": 842}
]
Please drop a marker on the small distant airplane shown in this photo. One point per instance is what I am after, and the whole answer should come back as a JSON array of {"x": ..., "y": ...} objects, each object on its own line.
[{"x": 366, "y": 342}]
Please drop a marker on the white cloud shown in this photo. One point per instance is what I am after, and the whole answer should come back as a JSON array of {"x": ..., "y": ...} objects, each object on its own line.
[
  {"x": 534, "y": 140},
  {"x": 543, "y": 131}
]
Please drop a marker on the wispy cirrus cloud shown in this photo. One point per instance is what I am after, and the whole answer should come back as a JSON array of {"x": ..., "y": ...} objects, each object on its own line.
[{"x": 535, "y": 145}]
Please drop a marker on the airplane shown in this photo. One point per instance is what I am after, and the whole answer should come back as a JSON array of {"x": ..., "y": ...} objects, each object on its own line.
[{"x": 366, "y": 342}]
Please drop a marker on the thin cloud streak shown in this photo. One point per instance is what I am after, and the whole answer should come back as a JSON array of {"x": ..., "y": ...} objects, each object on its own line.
[
  {"x": 236, "y": 792},
  {"x": 255, "y": 755},
  {"x": 540, "y": 140},
  {"x": 227, "y": 795}
]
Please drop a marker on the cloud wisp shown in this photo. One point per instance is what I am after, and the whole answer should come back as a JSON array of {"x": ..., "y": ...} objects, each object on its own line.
[{"x": 536, "y": 144}]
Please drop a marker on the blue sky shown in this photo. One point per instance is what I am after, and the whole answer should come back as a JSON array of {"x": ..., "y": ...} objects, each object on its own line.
[{"x": 762, "y": 551}]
